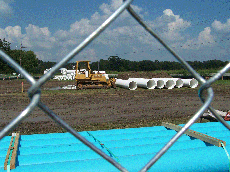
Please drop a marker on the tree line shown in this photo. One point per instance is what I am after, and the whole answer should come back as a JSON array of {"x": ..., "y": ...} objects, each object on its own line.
[
  {"x": 29, "y": 61},
  {"x": 115, "y": 63}
]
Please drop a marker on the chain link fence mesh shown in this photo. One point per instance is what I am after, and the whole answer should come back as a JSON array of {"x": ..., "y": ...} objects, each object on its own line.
[{"x": 34, "y": 91}]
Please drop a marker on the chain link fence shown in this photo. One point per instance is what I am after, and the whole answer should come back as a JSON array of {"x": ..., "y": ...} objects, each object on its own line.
[{"x": 34, "y": 91}]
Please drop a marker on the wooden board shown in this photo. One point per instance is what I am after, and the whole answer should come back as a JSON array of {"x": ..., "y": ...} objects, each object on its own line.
[
  {"x": 14, "y": 153},
  {"x": 195, "y": 134}
]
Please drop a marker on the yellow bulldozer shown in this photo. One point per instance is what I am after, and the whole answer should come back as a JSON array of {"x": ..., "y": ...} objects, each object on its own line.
[{"x": 86, "y": 78}]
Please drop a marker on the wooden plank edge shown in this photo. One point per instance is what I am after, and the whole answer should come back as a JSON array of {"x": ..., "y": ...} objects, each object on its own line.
[
  {"x": 15, "y": 148},
  {"x": 195, "y": 134},
  {"x": 8, "y": 153},
  {"x": 15, "y": 151}
]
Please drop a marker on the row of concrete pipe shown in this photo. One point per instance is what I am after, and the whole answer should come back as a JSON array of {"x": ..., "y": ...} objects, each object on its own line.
[{"x": 168, "y": 83}]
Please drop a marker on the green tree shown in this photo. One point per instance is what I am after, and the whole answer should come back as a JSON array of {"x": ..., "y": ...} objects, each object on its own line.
[
  {"x": 27, "y": 59},
  {"x": 43, "y": 66},
  {"x": 5, "y": 46},
  {"x": 147, "y": 65},
  {"x": 114, "y": 63}
]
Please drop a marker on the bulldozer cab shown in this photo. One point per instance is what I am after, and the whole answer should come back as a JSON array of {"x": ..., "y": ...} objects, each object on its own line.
[{"x": 83, "y": 70}]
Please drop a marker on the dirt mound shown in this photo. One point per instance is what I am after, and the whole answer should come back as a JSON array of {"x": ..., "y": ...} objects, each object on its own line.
[{"x": 147, "y": 75}]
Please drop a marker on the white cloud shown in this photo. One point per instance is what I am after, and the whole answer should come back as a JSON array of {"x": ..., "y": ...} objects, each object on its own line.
[
  {"x": 205, "y": 36},
  {"x": 61, "y": 34},
  {"x": 35, "y": 32},
  {"x": 124, "y": 35},
  {"x": 168, "y": 12},
  {"x": 45, "y": 55},
  {"x": 11, "y": 34},
  {"x": 108, "y": 9},
  {"x": 2, "y": 33},
  {"x": 204, "y": 39},
  {"x": 96, "y": 16},
  {"x": 89, "y": 53},
  {"x": 5, "y": 8},
  {"x": 33, "y": 37},
  {"x": 82, "y": 27},
  {"x": 171, "y": 26},
  {"x": 218, "y": 26},
  {"x": 36, "y": 36},
  {"x": 14, "y": 31},
  {"x": 177, "y": 23}
]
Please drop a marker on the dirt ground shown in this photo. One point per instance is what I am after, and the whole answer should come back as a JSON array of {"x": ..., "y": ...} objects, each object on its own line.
[{"x": 103, "y": 109}]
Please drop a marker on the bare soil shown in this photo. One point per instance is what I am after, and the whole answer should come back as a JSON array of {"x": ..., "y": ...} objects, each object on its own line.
[{"x": 102, "y": 108}]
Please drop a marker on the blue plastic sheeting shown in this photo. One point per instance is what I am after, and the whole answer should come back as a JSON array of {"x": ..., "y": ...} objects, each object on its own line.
[
  {"x": 5, "y": 142},
  {"x": 77, "y": 147},
  {"x": 5, "y": 139},
  {"x": 201, "y": 159},
  {"x": 4, "y": 145},
  {"x": 82, "y": 155},
  {"x": 95, "y": 133},
  {"x": 134, "y": 147},
  {"x": 3, "y": 152},
  {"x": 52, "y": 149}
]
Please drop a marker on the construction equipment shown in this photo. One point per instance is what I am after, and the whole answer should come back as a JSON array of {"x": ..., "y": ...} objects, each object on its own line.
[
  {"x": 86, "y": 78},
  {"x": 227, "y": 117}
]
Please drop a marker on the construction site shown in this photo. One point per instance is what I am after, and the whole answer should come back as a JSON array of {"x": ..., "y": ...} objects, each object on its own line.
[
  {"x": 125, "y": 124},
  {"x": 126, "y": 117},
  {"x": 93, "y": 109},
  {"x": 86, "y": 119}
]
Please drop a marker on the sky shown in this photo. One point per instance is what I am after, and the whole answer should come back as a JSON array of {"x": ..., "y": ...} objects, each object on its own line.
[{"x": 198, "y": 30}]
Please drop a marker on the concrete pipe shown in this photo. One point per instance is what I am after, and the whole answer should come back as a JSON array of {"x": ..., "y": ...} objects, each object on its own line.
[
  {"x": 144, "y": 83},
  {"x": 131, "y": 85},
  {"x": 64, "y": 71},
  {"x": 160, "y": 83},
  {"x": 178, "y": 81},
  {"x": 192, "y": 83},
  {"x": 169, "y": 83},
  {"x": 70, "y": 71}
]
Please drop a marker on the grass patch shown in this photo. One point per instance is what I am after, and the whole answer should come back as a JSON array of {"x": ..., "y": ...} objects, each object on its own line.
[{"x": 222, "y": 82}]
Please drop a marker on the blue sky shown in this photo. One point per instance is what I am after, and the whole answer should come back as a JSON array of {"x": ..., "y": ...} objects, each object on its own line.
[{"x": 196, "y": 29}]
